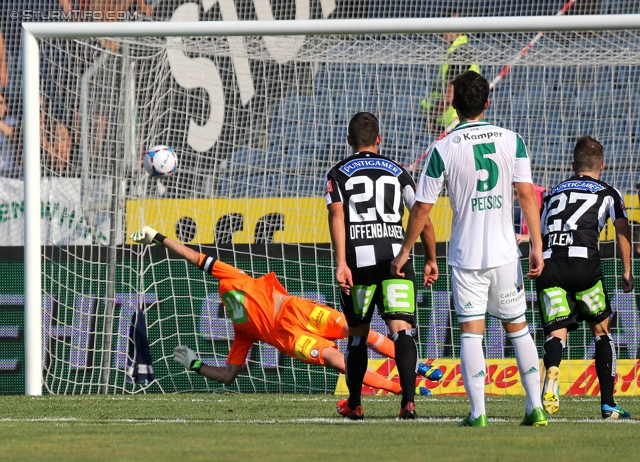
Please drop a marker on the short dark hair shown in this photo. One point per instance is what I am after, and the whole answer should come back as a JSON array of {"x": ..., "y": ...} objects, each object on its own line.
[
  {"x": 364, "y": 129},
  {"x": 470, "y": 93},
  {"x": 588, "y": 154}
]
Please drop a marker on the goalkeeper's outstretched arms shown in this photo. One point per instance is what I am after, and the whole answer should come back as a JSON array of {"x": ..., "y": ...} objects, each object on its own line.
[
  {"x": 148, "y": 235},
  {"x": 186, "y": 356}
]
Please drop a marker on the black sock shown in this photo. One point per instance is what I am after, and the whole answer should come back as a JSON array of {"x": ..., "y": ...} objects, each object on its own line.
[
  {"x": 552, "y": 352},
  {"x": 406, "y": 362},
  {"x": 357, "y": 361},
  {"x": 606, "y": 368}
]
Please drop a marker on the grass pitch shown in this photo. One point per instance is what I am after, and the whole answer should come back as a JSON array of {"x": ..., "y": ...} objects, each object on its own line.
[{"x": 302, "y": 427}]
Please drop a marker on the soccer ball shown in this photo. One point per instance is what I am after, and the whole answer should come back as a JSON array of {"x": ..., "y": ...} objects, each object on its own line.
[{"x": 160, "y": 160}]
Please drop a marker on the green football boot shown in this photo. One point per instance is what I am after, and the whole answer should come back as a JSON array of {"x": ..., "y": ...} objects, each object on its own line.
[
  {"x": 535, "y": 419},
  {"x": 481, "y": 421}
]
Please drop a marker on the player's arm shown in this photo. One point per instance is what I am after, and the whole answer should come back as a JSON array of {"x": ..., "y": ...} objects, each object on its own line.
[
  {"x": 148, "y": 235},
  {"x": 187, "y": 357},
  {"x": 637, "y": 236},
  {"x": 419, "y": 222},
  {"x": 339, "y": 241},
  {"x": 531, "y": 209},
  {"x": 428, "y": 238},
  {"x": 206, "y": 263},
  {"x": 623, "y": 238}
]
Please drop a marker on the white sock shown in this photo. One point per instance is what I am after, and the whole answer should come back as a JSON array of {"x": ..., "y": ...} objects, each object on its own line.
[
  {"x": 528, "y": 366},
  {"x": 473, "y": 369}
]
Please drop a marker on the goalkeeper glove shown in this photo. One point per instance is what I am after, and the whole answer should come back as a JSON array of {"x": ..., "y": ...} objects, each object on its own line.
[
  {"x": 147, "y": 235},
  {"x": 185, "y": 356}
]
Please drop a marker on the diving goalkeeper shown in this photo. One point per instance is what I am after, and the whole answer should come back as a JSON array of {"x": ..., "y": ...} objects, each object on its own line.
[{"x": 261, "y": 309}]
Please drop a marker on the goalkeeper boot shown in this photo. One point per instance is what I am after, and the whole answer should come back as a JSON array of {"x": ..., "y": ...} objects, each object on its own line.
[
  {"x": 535, "y": 419},
  {"x": 429, "y": 371},
  {"x": 354, "y": 414},
  {"x": 408, "y": 412},
  {"x": 615, "y": 412},
  {"x": 481, "y": 421},
  {"x": 551, "y": 390}
]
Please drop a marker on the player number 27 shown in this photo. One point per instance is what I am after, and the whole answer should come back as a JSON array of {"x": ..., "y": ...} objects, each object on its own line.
[{"x": 560, "y": 202}]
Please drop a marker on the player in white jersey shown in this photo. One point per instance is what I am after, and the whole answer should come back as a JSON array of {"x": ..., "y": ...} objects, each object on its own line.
[{"x": 480, "y": 163}]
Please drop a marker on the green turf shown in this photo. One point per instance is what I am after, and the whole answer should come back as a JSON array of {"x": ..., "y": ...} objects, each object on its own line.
[{"x": 301, "y": 427}]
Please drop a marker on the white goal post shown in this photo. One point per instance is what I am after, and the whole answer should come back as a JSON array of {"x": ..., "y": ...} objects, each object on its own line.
[{"x": 31, "y": 90}]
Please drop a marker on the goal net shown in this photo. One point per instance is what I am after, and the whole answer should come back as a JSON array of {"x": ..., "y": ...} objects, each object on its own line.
[{"x": 256, "y": 122}]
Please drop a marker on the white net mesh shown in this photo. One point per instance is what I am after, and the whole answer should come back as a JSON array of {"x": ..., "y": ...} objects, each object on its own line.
[
  {"x": 256, "y": 122},
  {"x": 252, "y": 182}
]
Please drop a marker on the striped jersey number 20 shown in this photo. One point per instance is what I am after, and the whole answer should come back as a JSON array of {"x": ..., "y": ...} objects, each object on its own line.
[{"x": 378, "y": 189}]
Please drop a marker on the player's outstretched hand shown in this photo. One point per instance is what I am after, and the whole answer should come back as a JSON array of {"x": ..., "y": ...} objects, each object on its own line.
[
  {"x": 184, "y": 355},
  {"x": 144, "y": 235}
]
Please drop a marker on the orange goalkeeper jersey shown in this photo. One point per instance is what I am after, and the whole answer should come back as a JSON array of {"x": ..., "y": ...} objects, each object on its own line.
[{"x": 249, "y": 304}]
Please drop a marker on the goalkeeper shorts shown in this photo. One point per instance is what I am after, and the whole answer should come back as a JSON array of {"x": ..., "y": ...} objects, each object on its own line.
[{"x": 304, "y": 328}]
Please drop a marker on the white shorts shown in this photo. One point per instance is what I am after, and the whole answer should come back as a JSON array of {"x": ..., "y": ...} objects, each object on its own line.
[{"x": 498, "y": 291}]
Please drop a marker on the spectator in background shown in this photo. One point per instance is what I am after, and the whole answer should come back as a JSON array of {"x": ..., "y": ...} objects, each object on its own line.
[
  {"x": 55, "y": 140},
  {"x": 437, "y": 108},
  {"x": 9, "y": 164},
  {"x": 4, "y": 69},
  {"x": 12, "y": 14},
  {"x": 113, "y": 10}
]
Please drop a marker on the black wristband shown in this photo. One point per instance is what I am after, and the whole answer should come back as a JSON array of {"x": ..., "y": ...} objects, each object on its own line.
[
  {"x": 158, "y": 238},
  {"x": 195, "y": 366},
  {"x": 206, "y": 263}
]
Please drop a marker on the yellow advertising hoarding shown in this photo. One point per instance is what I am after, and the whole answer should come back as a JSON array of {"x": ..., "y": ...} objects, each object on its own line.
[
  {"x": 577, "y": 378},
  {"x": 304, "y": 219}
]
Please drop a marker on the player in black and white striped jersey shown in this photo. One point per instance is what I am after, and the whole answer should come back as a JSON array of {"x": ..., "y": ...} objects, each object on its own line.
[
  {"x": 570, "y": 288},
  {"x": 366, "y": 196}
]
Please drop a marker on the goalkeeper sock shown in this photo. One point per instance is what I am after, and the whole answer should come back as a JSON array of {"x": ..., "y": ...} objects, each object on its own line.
[
  {"x": 528, "y": 366},
  {"x": 473, "y": 370},
  {"x": 606, "y": 367},
  {"x": 375, "y": 380},
  {"x": 381, "y": 344},
  {"x": 357, "y": 359},
  {"x": 407, "y": 363},
  {"x": 552, "y": 352}
]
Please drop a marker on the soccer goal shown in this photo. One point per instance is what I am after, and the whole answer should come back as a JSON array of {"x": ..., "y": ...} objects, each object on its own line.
[{"x": 257, "y": 112}]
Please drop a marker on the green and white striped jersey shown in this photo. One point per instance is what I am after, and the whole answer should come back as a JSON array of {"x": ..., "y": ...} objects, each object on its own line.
[{"x": 479, "y": 163}]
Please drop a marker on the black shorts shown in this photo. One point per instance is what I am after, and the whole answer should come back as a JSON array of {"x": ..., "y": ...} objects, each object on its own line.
[
  {"x": 374, "y": 286},
  {"x": 571, "y": 290}
]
